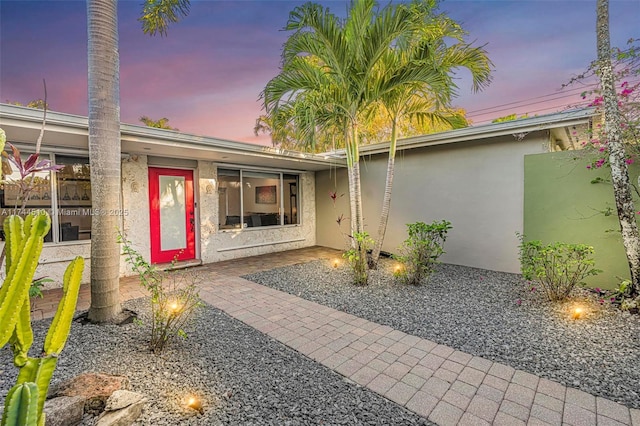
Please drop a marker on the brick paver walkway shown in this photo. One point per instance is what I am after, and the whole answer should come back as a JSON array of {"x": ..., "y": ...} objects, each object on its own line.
[{"x": 446, "y": 386}]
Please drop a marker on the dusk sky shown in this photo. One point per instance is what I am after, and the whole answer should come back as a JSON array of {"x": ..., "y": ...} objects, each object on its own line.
[{"x": 207, "y": 74}]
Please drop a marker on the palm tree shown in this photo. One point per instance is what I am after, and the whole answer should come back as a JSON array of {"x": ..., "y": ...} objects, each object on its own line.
[
  {"x": 617, "y": 154},
  {"x": 425, "y": 100},
  {"x": 162, "y": 123},
  {"x": 104, "y": 141},
  {"x": 329, "y": 66}
]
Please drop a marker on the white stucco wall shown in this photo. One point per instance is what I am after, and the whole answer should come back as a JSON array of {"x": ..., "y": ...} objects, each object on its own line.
[
  {"x": 207, "y": 209},
  {"x": 135, "y": 202},
  {"x": 477, "y": 186},
  {"x": 56, "y": 257}
]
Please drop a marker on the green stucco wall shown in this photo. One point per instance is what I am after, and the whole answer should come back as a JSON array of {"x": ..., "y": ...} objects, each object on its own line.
[{"x": 561, "y": 204}]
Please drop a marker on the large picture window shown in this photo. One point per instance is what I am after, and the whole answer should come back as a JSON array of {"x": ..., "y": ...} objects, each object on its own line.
[
  {"x": 251, "y": 199},
  {"x": 66, "y": 195}
]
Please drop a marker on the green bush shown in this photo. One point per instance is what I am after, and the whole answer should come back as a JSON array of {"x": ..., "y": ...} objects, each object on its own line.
[
  {"x": 420, "y": 252},
  {"x": 357, "y": 258},
  {"x": 174, "y": 297},
  {"x": 558, "y": 268}
]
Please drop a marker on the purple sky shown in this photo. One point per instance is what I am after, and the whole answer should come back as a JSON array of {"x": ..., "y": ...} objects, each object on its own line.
[{"x": 207, "y": 74}]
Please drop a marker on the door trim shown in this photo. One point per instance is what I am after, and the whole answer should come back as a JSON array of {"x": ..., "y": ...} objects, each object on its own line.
[{"x": 190, "y": 252}]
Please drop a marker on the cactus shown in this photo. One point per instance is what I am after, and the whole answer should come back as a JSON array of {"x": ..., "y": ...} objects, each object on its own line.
[
  {"x": 21, "y": 407},
  {"x": 24, "y": 244},
  {"x": 22, "y": 259}
]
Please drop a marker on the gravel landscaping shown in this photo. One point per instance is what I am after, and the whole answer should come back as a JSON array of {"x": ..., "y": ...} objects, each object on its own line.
[
  {"x": 243, "y": 376},
  {"x": 489, "y": 314}
]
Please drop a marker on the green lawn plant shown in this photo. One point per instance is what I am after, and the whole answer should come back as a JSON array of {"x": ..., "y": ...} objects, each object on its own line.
[
  {"x": 558, "y": 267},
  {"x": 357, "y": 258},
  {"x": 24, "y": 240},
  {"x": 420, "y": 252},
  {"x": 174, "y": 297}
]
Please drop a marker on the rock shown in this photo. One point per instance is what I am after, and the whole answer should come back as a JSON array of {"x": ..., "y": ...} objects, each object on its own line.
[
  {"x": 94, "y": 388},
  {"x": 122, "y": 409},
  {"x": 122, "y": 399},
  {"x": 63, "y": 411}
]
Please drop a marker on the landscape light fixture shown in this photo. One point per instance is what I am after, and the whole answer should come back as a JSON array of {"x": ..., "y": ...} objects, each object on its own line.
[
  {"x": 577, "y": 313},
  {"x": 195, "y": 404},
  {"x": 174, "y": 307}
]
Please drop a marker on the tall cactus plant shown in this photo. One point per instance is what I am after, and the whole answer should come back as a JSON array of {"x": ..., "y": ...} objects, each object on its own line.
[{"x": 24, "y": 240}]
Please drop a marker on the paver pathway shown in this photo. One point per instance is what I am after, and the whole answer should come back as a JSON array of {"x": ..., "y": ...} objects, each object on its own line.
[{"x": 446, "y": 386}]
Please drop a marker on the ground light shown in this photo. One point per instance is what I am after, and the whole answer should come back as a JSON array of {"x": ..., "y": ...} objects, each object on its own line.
[
  {"x": 194, "y": 403},
  {"x": 336, "y": 263},
  {"x": 174, "y": 307},
  {"x": 397, "y": 269},
  {"x": 577, "y": 313}
]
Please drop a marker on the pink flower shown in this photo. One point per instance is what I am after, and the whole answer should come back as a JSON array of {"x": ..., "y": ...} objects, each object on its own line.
[
  {"x": 597, "y": 101},
  {"x": 519, "y": 302},
  {"x": 601, "y": 301},
  {"x": 597, "y": 289},
  {"x": 629, "y": 161},
  {"x": 626, "y": 92}
]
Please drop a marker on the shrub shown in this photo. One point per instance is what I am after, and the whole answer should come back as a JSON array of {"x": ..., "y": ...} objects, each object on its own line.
[
  {"x": 621, "y": 296},
  {"x": 557, "y": 267},
  {"x": 174, "y": 297},
  {"x": 420, "y": 252},
  {"x": 357, "y": 258}
]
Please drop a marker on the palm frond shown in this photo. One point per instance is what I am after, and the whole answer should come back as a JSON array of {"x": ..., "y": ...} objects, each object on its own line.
[{"x": 158, "y": 14}]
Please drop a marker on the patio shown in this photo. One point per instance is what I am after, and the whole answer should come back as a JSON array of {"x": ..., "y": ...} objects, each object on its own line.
[{"x": 435, "y": 381}]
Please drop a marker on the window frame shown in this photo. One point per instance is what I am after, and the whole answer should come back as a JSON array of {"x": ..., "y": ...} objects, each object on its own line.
[
  {"x": 49, "y": 154},
  {"x": 281, "y": 207}
]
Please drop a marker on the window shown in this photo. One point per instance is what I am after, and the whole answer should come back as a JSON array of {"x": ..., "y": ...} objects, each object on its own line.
[
  {"x": 250, "y": 199},
  {"x": 73, "y": 186},
  {"x": 65, "y": 194}
]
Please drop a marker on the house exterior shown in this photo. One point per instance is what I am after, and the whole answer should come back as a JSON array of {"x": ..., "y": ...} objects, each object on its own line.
[
  {"x": 201, "y": 200},
  {"x": 472, "y": 177},
  {"x": 192, "y": 198}
]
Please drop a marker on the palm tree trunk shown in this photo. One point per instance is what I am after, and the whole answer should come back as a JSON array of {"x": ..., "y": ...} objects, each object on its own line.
[
  {"x": 104, "y": 157},
  {"x": 386, "y": 201},
  {"x": 355, "y": 194},
  {"x": 617, "y": 154},
  {"x": 357, "y": 183}
]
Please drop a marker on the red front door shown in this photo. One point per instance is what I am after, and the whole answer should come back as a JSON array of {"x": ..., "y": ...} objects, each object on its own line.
[{"x": 172, "y": 215}]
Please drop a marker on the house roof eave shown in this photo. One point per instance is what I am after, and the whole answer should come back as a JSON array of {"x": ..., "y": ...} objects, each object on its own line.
[
  {"x": 485, "y": 131},
  {"x": 152, "y": 141}
]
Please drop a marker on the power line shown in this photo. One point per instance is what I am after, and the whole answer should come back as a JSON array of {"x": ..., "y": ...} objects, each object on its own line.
[{"x": 510, "y": 106}]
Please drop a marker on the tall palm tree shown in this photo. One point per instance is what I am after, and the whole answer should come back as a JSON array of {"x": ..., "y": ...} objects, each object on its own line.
[
  {"x": 331, "y": 63},
  {"x": 617, "y": 153},
  {"x": 104, "y": 141},
  {"x": 426, "y": 99}
]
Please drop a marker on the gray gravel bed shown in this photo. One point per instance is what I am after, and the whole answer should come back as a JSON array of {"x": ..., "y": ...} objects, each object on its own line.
[
  {"x": 489, "y": 314},
  {"x": 243, "y": 376}
]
